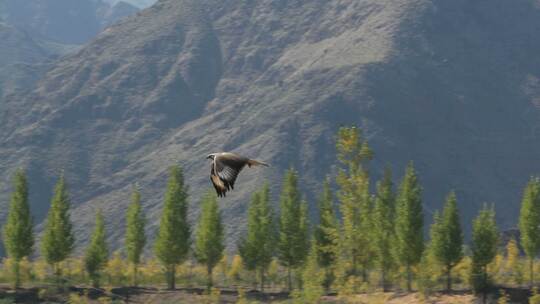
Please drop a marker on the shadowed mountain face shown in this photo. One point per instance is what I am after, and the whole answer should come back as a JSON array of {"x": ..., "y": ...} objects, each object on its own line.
[
  {"x": 19, "y": 54},
  {"x": 452, "y": 85},
  {"x": 34, "y": 33}
]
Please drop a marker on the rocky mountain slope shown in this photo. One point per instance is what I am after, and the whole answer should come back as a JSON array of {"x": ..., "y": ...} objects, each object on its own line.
[{"x": 452, "y": 85}]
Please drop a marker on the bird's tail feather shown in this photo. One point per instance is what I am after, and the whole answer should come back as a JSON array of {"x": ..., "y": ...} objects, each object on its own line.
[{"x": 253, "y": 162}]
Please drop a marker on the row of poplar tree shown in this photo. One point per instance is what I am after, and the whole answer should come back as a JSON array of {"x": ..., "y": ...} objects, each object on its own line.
[
  {"x": 171, "y": 246},
  {"x": 356, "y": 234}
]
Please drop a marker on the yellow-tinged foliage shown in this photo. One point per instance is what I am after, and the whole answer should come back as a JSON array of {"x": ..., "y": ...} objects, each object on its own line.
[
  {"x": 222, "y": 268},
  {"x": 241, "y": 296},
  {"x": 75, "y": 298},
  {"x": 504, "y": 298},
  {"x": 351, "y": 286},
  {"x": 150, "y": 271},
  {"x": 535, "y": 298},
  {"x": 236, "y": 268},
  {"x": 104, "y": 300},
  {"x": 495, "y": 268},
  {"x": 273, "y": 271},
  {"x": 513, "y": 267},
  {"x": 40, "y": 270},
  {"x": 462, "y": 270},
  {"x": 25, "y": 269},
  {"x": 213, "y": 297},
  {"x": 116, "y": 269},
  {"x": 73, "y": 269}
]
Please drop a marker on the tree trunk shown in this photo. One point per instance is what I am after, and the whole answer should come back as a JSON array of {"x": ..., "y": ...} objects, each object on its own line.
[
  {"x": 95, "y": 280},
  {"x": 531, "y": 269},
  {"x": 289, "y": 278},
  {"x": 383, "y": 279},
  {"x": 409, "y": 278},
  {"x": 364, "y": 274},
  {"x": 171, "y": 277},
  {"x": 135, "y": 273},
  {"x": 57, "y": 273},
  {"x": 262, "y": 279},
  {"x": 17, "y": 273},
  {"x": 327, "y": 280},
  {"x": 484, "y": 287},
  {"x": 209, "y": 271},
  {"x": 353, "y": 270},
  {"x": 448, "y": 277}
]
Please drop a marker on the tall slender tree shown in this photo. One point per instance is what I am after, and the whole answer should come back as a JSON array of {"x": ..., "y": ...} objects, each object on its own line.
[
  {"x": 209, "y": 235},
  {"x": 58, "y": 239},
  {"x": 97, "y": 251},
  {"x": 135, "y": 235},
  {"x": 293, "y": 242},
  {"x": 353, "y": 153},
  {"x": 327, "y": 235},
  {"x": 172, "y": 243},
  {"x": 447, "y": 238},
  {"x": 258, "y": 247},
  {"x": 484, "y": 248},
  {"x": 529, "y": 223},
  {"x": 409, "y": 225},
  {"x": 312, "y": 279},
  {"x": 383, "y": 225},
  {"x": 18, "y": 230}
]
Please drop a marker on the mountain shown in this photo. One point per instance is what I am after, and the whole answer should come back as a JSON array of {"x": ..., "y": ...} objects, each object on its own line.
[
  {"x": 137, "y": 3},
  {"x": 34, "y": 33},
  {"x": 109, "y": 14},
  {"x": 64, "y": 21},
  {"x": 22, "y": 59},
  {"x": 452, "y": 85}
]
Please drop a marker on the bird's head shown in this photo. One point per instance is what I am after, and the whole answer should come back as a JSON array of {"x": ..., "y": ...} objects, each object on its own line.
[{"x": 211, "y": 156}]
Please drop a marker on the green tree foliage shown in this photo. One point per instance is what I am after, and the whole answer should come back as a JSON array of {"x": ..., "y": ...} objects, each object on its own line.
[
  {"x": 484, "y": 248},
  {"x": 383, "y": 225},
  {"x": 97, "y": 252},
  {"x": 258, "y": 247},
  {"x": 327, "y": 235},
  {"x": 18, "y": 232},
  {"x": 447, "y": 238},
  {"x": 356, "y": 204},
  {"x": 409, "y": 225},
  {"x": 58, "y": 239},
  {"x": 313, "y": 277},
  {"x": 529, "y": 223},
  {"x": 293, "y": 243},
  {"x": 209, "y": 235},
  {"x": 135, "y": 235},
  {"x": 172, "y": 243}
]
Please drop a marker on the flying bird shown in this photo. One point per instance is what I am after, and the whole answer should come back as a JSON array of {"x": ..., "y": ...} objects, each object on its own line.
[{"x": 225, "y": 169}]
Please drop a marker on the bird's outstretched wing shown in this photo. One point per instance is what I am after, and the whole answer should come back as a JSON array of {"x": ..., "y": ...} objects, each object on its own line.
[
  {"x": 227, "y": 166},
  {"x": 225, "y": 170}
]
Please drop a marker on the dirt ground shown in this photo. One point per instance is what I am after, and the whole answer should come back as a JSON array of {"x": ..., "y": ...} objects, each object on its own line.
[{"x": 196, "y": 295}]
